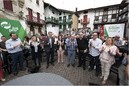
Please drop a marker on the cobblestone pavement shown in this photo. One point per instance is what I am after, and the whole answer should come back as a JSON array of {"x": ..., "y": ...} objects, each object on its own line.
[{"x": 75, "y": 75}]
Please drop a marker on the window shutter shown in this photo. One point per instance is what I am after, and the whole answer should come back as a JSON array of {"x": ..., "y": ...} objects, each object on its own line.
[{"x": 8, "y": 5}]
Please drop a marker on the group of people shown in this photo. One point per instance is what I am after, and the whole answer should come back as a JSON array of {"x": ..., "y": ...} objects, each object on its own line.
[{"x": 101, "y": 52}]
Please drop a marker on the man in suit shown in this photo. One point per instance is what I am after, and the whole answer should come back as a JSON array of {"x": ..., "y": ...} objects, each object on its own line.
[{"x": 49, "y": 48}]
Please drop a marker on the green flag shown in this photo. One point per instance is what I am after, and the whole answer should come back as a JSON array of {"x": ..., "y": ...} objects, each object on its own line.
[{"x": 8, "y": 26}]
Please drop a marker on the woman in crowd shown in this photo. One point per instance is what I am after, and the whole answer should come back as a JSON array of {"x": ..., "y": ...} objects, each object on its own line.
[
  {"x": 60, "y": 49},
  {"x": 36, "y": 51},
  {"x": 26, "y": 43},
  {"x": 108, "y": 50}
]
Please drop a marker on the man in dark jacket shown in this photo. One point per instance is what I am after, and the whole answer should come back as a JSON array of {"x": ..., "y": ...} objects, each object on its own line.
[
  {"x": 49, "y": 48},
  {"x": 82, "y": 50}
]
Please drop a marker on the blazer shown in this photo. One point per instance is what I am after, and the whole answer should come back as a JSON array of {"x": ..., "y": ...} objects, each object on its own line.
[
  {"x": 47, "y": 46},
  {"x": 33, "y": 50}
]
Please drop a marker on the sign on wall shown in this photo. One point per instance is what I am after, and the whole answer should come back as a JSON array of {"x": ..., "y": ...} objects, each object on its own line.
[
  {"x": 55, "y": 31},
  {"x": 112, "y": 30},
  {"x": 8, "y": 26}
]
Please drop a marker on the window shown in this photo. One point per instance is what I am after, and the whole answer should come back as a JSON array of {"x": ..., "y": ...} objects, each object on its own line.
[
  {"x": 37, "y": 1},
  {"x": 53, "y": 12},
  {"x": 53, "y": 25},
  {"x": 105, "y": 18},
  {"x": 64, "y": 26},
  {"x": 60, "y": 18},
  {"x": 70, "y": 16},
  {"x": 78, "y": 21},
  {"x": 60, "y": 13},
  {"x": 60, "y": 26},
  {"x": 96, "y": 18},
  {"x": 8, "y": 5},
  {"x": 38, "y": 17},
  {"x": 105, "y": 11},
  {"x": 30, "y": 14},
  {"x": 113, "y": 16},
  {"x": 69, "y": 25},
  {"x": 64, "y": 18}
]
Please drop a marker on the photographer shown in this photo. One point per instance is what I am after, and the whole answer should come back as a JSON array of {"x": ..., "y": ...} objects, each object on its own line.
[{"x": 123, "y": 69}]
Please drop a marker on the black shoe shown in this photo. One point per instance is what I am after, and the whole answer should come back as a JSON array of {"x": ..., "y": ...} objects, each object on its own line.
[
  {"x": 23, "y": 69},
  {"x": 68, "y": 65},
  {"x": 84, "y": 68},
  {"x": 90, "y": 69},
  {"x": 97, "y": 74},
  {"x": 15, "y": 73},
  {"x": 52, "y": 64},
  {"x": 73, "y": 65},
  {"x": 79, "y": 66},
  {"x": 47, "y": 66}
]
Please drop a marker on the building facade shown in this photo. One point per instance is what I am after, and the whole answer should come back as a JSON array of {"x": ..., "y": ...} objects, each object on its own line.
[
  {"x": 51, "y": 17},
  {"x": 57, "y": 19},
  {"x": 10, "y": 9},
  {"x": 30, "y": 13},
  {"x": 86, "y": 19},
  {"x": 34, "y": 14},
  {"x": 65, "y": 20},
  {"x": 95, "y": 18}
]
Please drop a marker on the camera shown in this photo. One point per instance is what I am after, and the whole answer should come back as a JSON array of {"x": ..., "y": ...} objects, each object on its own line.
[{"x": 124, "y": 48}]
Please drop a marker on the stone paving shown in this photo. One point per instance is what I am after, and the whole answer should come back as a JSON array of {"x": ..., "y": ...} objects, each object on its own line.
[{"x": 75, "y": 75}]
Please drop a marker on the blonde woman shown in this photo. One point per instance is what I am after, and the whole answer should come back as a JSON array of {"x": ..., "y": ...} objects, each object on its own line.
[{"x": 108, "y": 50}]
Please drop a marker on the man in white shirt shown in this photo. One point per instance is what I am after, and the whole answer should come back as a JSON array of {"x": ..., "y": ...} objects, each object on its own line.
[{"x": 94, "y": 46}]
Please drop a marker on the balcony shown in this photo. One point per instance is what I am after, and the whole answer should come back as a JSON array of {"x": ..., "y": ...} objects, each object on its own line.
[
  {"x": 64, "y": 22},
  {"x": 85, "y": 21},
  {"x": 108, "y": 21},
  {"x": 34, "y": 21},
  {"x": 123, "y": 11},
  {"x": 125, "y": 19},
  {"x": 51, "y": 20}
]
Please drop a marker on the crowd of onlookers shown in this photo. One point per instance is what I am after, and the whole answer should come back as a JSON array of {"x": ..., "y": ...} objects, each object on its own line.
[{"x": 102, "y": 52}]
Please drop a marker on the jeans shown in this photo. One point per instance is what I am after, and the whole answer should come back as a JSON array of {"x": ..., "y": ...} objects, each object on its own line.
[
  {"x": 17, "y": 58},
  {"x": 71, "y": 56},
  {"x": 94, "y": 61},
  {"x": 122, "y": 75}
]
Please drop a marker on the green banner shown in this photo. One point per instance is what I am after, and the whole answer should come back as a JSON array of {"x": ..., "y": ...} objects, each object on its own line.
[{"x": 8, "y": 26}]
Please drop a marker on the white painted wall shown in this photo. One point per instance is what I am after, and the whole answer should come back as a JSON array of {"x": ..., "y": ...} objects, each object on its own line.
[
  {"x": 80, "y": 17},
  {"x": 48, "y": 13},
  {"x": 8, "y": 14},
  {"x": 91, "y": 17},
  {"x": 36, "y": 8},
  {"x": 49, "y": 26}
]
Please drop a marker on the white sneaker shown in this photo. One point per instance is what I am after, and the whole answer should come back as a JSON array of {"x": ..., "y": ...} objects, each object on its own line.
[{"x": 2, "y": 79}]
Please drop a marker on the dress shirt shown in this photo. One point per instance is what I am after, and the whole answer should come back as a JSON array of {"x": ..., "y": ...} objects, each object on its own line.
[
  {"x": 10, "y": 46},
  {"x": 50, "y": 41},
  {"x": 97, "y": 43},
  {"x": 72, "y": 45}
]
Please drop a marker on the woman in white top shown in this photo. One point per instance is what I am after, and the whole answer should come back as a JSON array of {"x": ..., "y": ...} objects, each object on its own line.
[
  {"x": 36, "y": 51},
  {"x": 108, "y": 50}
]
